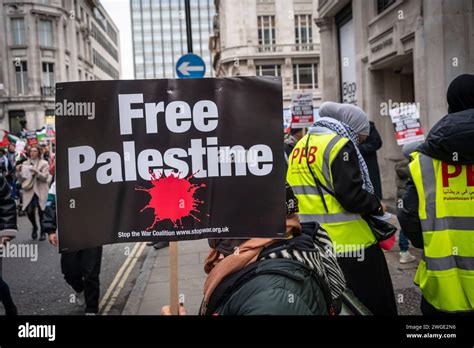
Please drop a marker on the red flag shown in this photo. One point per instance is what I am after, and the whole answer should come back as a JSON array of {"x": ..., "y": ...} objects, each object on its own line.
[{"x": 4, "y": 138}]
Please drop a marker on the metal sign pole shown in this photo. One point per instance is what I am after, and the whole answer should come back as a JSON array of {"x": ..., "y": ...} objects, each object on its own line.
[{"x": 189, "y": 31}]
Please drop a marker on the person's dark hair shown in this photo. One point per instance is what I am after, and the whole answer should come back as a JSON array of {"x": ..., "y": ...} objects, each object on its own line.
[
  {"x": 460, "y": 93},
  {"x": 293, "y": 131},
  {"x": 40, "y": 150}
]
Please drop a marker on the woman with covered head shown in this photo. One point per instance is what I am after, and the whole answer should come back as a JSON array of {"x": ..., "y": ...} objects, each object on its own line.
[
  {"x": 330, "y": 178},
  {"x": 294, "y": 276},
  {"x": 437, "y": 213}
]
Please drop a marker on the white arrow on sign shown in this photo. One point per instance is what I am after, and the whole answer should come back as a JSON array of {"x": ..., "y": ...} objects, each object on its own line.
[{"x": 185, "y": 69}]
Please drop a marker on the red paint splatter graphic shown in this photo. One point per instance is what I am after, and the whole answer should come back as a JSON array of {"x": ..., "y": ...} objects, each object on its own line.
[{"x": 172, "y": 198}]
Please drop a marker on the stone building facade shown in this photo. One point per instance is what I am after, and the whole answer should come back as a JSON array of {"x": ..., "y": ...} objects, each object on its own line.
[
  {"x": 375, "y": 53},
  {"x": 47, "y": 41},
  {"x": 269, "y": 37}
]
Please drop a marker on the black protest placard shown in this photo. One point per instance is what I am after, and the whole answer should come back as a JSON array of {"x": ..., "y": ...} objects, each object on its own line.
[{"x": 169, "y": 160}]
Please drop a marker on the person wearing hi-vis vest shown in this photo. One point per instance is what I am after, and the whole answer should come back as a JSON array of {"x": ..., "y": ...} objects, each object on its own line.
[
  {"x": 330, "y": 178},
  {"x": 437, "y": 213}
]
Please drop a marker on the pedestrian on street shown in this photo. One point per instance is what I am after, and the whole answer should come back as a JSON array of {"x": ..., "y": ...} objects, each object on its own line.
[
  {"x": 294, "y": 276},
  {"x": 402, "y": 175},
  {"x": 11, "y": 155},
  {"x": 369, "y": 149},
  {"x": 8, "y": 230},
  {"x": 5, "y": 168},
  {"x": 46, "y": 153},
  {"x": 21, "y": 158},
  {"x": 332, "y": 183},
  {"x": 437, "y": 214},
  {"x": 294, "y": 136},
  {"x": 33, "y": 175},
  {"x": 81, "y": 269}
]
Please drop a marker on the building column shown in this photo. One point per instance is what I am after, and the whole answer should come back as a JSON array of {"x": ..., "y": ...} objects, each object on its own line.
[{"x": 330, "y": 78}]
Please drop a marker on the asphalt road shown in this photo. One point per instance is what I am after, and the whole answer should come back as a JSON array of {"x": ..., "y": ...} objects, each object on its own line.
[{"x": 38, "y": 287}]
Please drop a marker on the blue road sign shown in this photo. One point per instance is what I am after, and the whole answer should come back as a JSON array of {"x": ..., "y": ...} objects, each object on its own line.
[{"x": 190, "y": 66}]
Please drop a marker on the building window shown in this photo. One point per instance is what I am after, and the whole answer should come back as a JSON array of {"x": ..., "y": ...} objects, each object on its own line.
[
  {"x": 86, "y": 50},
  {"x": 65, "y": 36},
  {"x": 79, "y": 74},
  {"x": 45, "y": 33},
  {"x": 384, "y": 4},
  {"x": 17, "y": 120},
  {"x": 268, "y": 70},
  {"x": 78, "y": 43},
  {"x": 266, "y": 33},
  {"x": 48, "y": 79},
  {"x": 104, "y": 65},
  {"x": 21, "y": 75},
  {"x": 103, "y": 41},
  {"x": 68, "y": 73},
  {"x": 18, "y": 31},
  {"x": 305, "y": 76},
  {"x": 49, "y": 116},
  {"x": 303, "y": 32}
]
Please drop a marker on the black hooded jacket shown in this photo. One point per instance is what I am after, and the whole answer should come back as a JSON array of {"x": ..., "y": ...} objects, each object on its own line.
[
  {"x": 8, "y": 226},
  {"x": 449, "y": 141}
]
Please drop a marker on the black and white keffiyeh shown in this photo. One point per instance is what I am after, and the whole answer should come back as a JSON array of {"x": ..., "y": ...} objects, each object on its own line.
[
  {"x": 344, "y": 130},
  {"x": 319, "y": 255}
]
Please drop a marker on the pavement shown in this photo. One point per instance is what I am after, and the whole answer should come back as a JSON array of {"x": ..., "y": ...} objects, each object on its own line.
[{"x": 151, "y": 291}]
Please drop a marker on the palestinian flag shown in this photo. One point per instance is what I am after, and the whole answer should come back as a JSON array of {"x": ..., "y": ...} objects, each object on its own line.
[
  {"x": 41, "y": 135},
  {"x": 6, "y": 138}
]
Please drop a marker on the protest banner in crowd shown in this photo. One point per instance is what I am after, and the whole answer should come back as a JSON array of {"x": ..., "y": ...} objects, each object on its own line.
[
  {"x": 406, "y": 120},
  {"x": 302, "y": 110}
]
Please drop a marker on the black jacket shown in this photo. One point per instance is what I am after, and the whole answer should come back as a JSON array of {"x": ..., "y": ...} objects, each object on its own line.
[
  {"x": 369, "y": 149},
  {"x": 403, "y": 174},
  {"x": 48, "y": 222},
  {"x": 273, "y": 286},
  {"x": 347, "y": 180},
  {"x": 449, "y": 141},
  {"x": 8, "y": 226}
]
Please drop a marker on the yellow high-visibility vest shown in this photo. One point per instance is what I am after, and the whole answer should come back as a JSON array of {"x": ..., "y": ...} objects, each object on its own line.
[
  {"x": 348, "y": 231},
  {"x": 445, "y": 274}
]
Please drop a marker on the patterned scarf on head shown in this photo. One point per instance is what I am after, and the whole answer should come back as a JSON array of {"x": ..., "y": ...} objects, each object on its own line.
[{"x": 343, "y": 130}]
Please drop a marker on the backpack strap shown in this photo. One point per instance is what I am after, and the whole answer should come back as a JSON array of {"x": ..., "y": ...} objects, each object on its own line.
[{"x": 319, "y": 184}]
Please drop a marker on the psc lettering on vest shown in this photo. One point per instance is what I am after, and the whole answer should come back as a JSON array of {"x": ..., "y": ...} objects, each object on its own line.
[
  {"x": 300, "y": 155},
  {"x": 170, "y": 159}
]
